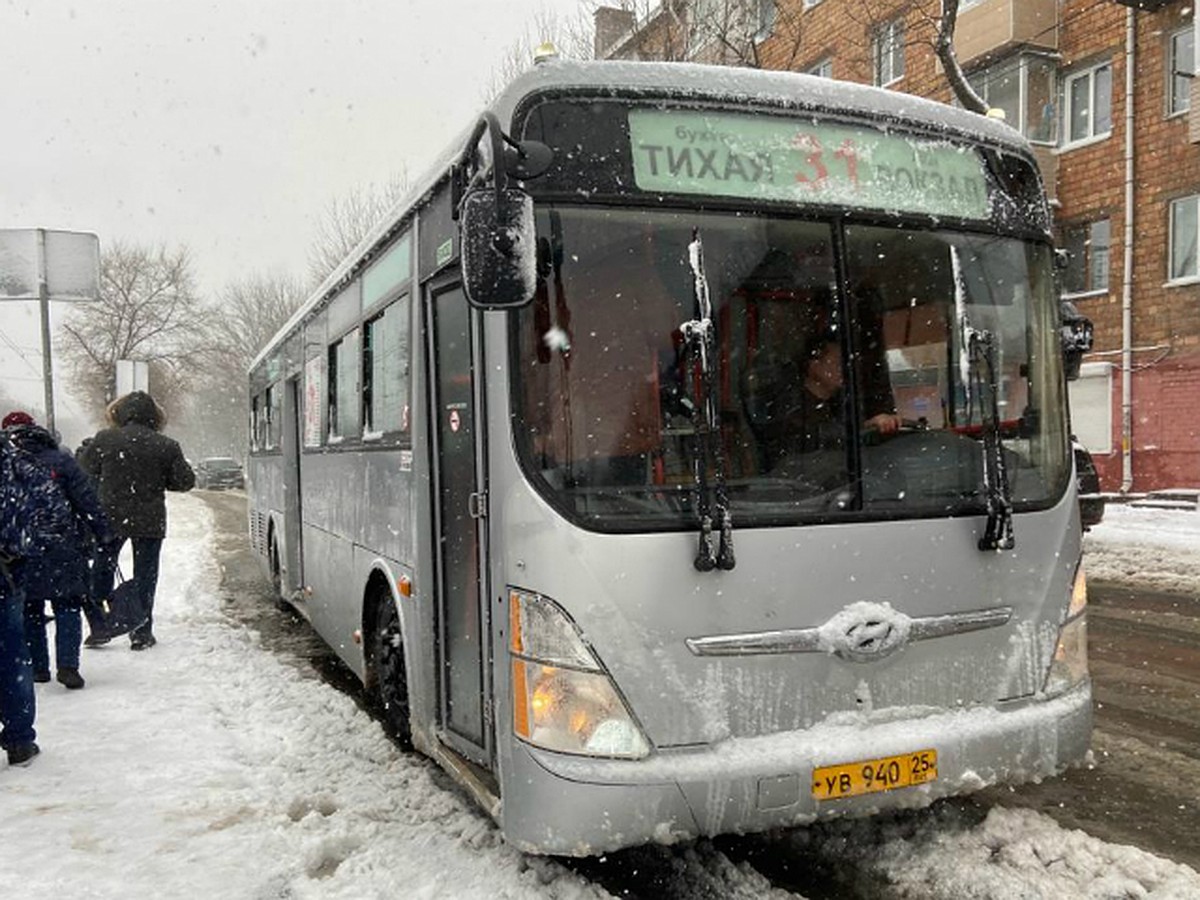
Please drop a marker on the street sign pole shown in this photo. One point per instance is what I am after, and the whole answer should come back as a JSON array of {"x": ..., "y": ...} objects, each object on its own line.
[
  {"x": 44, "y": 311},
  {"x": 47, "y": 264}
]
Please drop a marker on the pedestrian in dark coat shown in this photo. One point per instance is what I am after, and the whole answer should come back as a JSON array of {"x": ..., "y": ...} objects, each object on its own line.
[
  {"x": 133, "y": 465},
  {"x": 18, "y": 704},
  {"x": 60, "y": 574}
]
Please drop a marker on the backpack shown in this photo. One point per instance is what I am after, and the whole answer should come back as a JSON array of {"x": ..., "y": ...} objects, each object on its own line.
[{"x": 35, "y": 513}]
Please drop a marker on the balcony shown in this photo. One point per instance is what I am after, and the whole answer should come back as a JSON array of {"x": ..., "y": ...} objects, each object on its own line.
[{"x": 993, "y": 27}]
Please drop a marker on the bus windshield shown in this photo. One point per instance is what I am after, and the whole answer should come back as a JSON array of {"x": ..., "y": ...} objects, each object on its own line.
[{"x": 843, "y": 388}]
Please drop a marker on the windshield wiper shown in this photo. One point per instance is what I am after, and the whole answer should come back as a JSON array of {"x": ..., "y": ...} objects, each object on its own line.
[
  {"x": 981, "y": 355},
  {"x": 706, "y": 436},
  {"x": 998, "y": 534}
]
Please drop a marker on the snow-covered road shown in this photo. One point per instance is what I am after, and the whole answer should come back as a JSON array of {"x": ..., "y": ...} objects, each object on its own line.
[{"x": 208, "y": 767}]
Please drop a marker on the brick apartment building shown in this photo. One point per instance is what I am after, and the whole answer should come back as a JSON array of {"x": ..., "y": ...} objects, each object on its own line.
[{"x": 1127, "y": 210}]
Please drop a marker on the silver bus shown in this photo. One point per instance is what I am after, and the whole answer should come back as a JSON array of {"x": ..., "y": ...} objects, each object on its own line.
[{"x": 688, "y": 454}]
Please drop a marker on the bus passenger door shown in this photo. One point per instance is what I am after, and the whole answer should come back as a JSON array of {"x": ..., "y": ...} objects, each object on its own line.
[
  {"x": 458, "y": 535},
  {"x": 292, "y": 576}
]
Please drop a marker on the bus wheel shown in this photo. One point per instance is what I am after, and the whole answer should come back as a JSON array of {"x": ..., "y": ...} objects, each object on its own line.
[{"x": 391, "y": 682}]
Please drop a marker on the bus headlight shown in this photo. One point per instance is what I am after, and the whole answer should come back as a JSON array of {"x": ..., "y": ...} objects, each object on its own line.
[
  {"x": 1070, "y": 664},
  {"x": 563, "y": 700}
]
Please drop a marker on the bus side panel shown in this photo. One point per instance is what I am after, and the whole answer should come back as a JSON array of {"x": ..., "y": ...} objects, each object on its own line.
[
  {"x": 357, "y": 508},
  {"x": 264, "y": 496}
]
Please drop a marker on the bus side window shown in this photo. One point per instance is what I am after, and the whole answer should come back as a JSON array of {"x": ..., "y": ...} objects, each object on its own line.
[
  {"x": 274, "y": 411},
  {"x": 343, "y": 388},
  {"x": 385, "y": 372},
  {"x": 254, "y": 404}
]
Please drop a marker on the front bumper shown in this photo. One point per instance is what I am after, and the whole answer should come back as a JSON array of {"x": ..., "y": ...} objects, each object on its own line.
[{"x": 575, "y": 806}]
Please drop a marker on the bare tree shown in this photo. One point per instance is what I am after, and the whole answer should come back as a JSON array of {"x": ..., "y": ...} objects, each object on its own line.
[
  {"x": 944, "y": 48},
  {"x": 659, "y": 30},
  {"x": 570, "y": 35},
  {"x": 936, "y": 22},
  {"x": 346, "y": 220},
  {"x": 735, "y": 32},
  {"x": 246, "y": 315},
  {"x": 148, "y": 311}
]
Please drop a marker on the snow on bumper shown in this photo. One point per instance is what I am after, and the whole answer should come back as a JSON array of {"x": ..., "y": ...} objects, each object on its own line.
[{"x": 752, "y": 784}]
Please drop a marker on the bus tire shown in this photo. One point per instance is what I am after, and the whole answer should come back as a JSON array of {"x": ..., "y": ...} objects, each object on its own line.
[{"x": 390, "y": 680}]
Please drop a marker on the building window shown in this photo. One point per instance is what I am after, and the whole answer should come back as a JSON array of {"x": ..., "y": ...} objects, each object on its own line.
[
  {"x": 1087, "y": 99},
  {"x": 823, "y": 69},
  {"x": 888, "y": 51},
  {"x": 1184, "y": 216},
  {"x": 1022, "y": 86},
  {"x": 1181, "y": 62},
  {"x": 766, "y": 18},
  {"x": 1087, "y": 247}
]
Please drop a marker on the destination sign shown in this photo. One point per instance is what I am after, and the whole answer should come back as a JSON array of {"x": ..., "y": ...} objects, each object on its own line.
[{"x": 773, "y": 158}]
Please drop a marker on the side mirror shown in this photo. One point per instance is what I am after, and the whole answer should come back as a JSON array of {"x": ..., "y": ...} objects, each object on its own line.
[
  {"x": 1077, "y": 334},
  {"x": 499, "y": 248}
]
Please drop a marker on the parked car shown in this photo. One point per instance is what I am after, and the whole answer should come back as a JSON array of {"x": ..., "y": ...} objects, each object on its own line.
[
  {"x": 219, "y": 472},
  {"x": 1087, "y": 482}
]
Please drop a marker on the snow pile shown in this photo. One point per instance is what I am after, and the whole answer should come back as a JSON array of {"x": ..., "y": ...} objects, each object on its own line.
[
  {"x": 946, "y": 854},
  {"x": 1156, "y": 548}
]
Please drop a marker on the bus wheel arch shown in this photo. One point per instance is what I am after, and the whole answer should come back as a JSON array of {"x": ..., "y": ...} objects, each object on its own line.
[{"x": 386, "y": 676}]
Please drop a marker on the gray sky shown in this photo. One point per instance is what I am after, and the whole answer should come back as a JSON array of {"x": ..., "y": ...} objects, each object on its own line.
[{"x": 227, "y": 125}]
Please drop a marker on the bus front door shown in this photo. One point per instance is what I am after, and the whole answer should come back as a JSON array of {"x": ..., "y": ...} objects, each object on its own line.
[{"x": 458, "y": 536}]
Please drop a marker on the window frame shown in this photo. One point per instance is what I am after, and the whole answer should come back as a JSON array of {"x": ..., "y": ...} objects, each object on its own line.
[
  {"x": 1068, "y": 142},
  {"x": 1173, "y": 72},
  {"x": 1090, "y": 244},
  {"x": 402, "y": 305},
  {"x": 352, "y": 341},
  {"x": 888, "y": 39},
  {"x": 271, "y": 407},
  {"x": 1192, "y": 277},
  {"x": 766, "y": 12},
  {"x": 1022, "y": 63},
  {"x": 255, "y": 413},
  {"x": 825, "y": 64}
]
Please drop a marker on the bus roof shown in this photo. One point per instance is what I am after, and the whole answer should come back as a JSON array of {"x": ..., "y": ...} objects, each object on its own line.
[{"x": 784, "y": 90}]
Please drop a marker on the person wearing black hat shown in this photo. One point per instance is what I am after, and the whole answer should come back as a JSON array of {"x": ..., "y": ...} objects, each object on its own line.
[
  {"x": 134, "y": 464},
  {"x": 59, "y": 574}
]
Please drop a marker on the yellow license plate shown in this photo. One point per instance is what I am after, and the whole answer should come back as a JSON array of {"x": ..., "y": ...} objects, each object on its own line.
[{"x": 870, "y": 776}]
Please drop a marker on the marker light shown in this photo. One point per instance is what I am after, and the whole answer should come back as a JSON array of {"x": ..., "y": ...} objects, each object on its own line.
[{"x": 563, "y": 699}]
